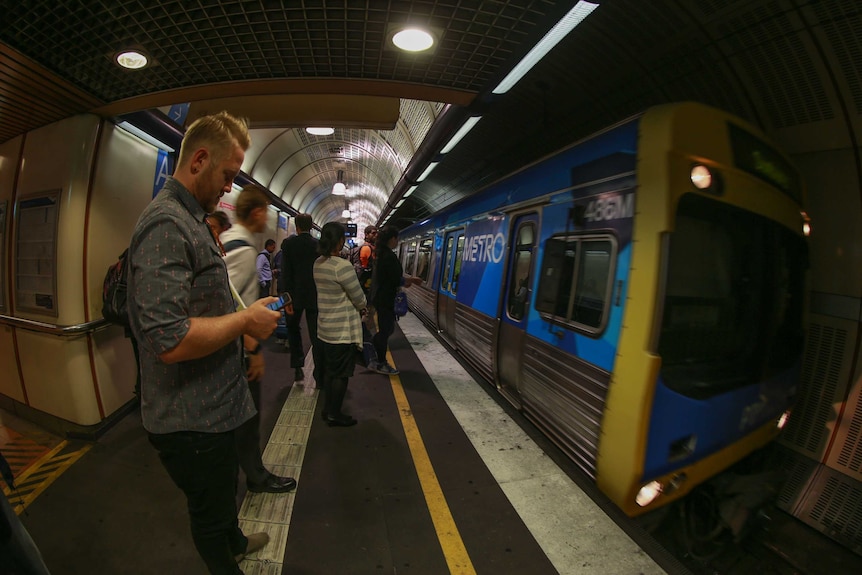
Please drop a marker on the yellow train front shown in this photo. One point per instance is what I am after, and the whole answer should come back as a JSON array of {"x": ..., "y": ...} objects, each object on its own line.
[{"x": 639, "y": 295}]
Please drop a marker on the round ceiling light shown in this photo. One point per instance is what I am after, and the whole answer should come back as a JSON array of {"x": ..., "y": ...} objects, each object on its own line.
[
  {"x": 413, "y": 40},
  {"x": 320, "y": 131},
  {"x": 133, "y": 60}
]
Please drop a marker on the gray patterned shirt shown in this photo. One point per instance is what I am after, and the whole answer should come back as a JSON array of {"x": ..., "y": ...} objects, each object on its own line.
[{"x": 177, "y": 273}]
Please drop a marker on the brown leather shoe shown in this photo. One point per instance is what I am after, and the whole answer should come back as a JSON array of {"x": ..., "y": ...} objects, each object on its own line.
[{"x": 256, "y": 541}]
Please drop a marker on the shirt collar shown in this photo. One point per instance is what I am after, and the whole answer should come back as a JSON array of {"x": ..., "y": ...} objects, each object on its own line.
[{"x": 186, "y": 198}]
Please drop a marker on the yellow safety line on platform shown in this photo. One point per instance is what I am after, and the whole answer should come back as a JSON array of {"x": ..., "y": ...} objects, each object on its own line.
[
  {"x": 42, "y": 473},
  {"x": 454, "y": 551}
]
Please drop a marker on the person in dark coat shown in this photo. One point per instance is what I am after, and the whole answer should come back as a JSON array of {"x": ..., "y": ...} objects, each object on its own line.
[
  {"x": 387, "y": 277},
  {"x": 298, "y": 254}
]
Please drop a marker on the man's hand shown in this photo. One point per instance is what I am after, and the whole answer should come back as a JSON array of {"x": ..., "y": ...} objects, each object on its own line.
[
  {"x": 261, "y": 320},
  {"x": 255, "y": 367}
]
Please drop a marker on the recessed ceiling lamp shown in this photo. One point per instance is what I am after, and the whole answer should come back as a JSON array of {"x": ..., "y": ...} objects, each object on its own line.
[
  {"x": 413, "y": 40},
  {"x": 345, "y": 214},
  {"x": 132, "y": 60},
  {"x": 320, "y": 131}
]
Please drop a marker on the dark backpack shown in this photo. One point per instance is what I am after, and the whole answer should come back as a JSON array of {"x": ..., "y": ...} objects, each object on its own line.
[{"x": 114, "y": 291}]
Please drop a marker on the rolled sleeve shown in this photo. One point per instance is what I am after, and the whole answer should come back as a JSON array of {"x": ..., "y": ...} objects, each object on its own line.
[{"x": 160, "y": 286}]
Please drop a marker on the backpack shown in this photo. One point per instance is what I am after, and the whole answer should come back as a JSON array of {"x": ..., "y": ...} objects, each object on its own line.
[
  {"x": 353, "y": 256},
  {"x": 114, "y": 291},
  {"x": 362, "y": 273}
]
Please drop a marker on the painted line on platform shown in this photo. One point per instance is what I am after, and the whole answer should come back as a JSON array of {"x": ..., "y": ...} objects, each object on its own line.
[{"x": 451, "y": 543}]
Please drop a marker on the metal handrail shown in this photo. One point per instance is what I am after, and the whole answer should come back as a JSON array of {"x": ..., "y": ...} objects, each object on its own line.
[{"x": 60, "y": 330}]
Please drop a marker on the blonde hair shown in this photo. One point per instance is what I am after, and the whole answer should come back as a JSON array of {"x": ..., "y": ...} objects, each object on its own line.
[
  {"x": 250, "y": 198},
  {"x": 219, "y": 133}
]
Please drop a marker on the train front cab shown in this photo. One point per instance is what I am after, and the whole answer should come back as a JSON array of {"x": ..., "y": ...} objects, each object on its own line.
[
  {"x": 681, "y": 410},
  {"x": 589, "y": 370}
]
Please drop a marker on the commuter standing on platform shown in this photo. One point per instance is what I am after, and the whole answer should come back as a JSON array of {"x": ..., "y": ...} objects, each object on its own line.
[
  {"x": 341, "y": 304},
  {"x": 264, "y": 267},
  {"x": 219, "y": 222},
  {"x": 240, "y": 255},
  {"x": 388, "y": 276},
  {"x": 194, "y": 392},
  {"x": 298, "y": 254}
]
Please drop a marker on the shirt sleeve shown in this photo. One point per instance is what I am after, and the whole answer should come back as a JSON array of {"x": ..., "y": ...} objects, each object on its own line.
[
  {"x": 159, "y": 293},
  {"x": 262, "y": 265},
  {"x": 346, "y": 276},
  {"x": 243, "y": 274}
]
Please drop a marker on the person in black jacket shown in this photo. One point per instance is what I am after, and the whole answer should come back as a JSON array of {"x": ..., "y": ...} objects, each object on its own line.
[
  {"x": 387, "y": 277},
  {"x": 298, "y": 254}
]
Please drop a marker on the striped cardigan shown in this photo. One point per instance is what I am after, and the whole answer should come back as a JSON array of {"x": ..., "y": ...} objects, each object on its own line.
[{"x": 339, "y": 300}]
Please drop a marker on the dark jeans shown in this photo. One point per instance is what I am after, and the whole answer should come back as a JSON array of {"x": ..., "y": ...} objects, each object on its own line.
[
  {"x": 264, "y": 290},
  {"x": 247, "y": 438},
  {"x": 204, "y": 466},
  {"x": 336, "y": 367},
  {"x": 294, "y": 336},
  {"x": 18, "y": 553},
  {"x": 385, "y": 328}
]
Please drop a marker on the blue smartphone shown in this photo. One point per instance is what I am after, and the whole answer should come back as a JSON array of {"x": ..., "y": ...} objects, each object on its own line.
[{"x": 283, "y": 301}]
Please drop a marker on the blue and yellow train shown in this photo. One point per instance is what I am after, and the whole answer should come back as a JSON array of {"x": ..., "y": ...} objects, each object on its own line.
[{"x": 639, "y": 295}]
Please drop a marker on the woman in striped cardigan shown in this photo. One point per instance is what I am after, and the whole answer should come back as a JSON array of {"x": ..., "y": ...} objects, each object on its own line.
[{"x": 341, "y": 303}]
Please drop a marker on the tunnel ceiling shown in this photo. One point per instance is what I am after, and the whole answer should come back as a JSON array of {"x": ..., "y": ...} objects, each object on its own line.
[{"x": 794, "y": 67}]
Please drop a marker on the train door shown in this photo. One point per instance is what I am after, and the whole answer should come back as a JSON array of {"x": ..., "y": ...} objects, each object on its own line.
[
  {"x": 453, "y": 249},
  {"x": 512, "y": 334}
]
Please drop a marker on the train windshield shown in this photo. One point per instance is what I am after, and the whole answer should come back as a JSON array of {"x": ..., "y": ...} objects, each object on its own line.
[{"x": 733, "y": 306}]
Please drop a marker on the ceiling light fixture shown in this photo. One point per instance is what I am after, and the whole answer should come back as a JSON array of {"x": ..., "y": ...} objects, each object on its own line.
[
  {"x": 339, "y": 189},
  {"x": 427, "y": 171},
  {"x": 468, "y": 125},
  {"x": 320, "y": 131},
  {"x": 345, "y": 214},
  {"x": 134, "y": 130},
  {"x": 131, "y": 60},
  {"x": 409, "y": 191},
  {"x": 413, "y": 40},
  {"x": 575, "y": 16}
]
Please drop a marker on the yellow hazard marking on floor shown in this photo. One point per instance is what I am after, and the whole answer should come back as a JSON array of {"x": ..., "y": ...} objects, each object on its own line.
[
  {"x": 20, "y": 452},
  {"x": 42, "y": 473},
  {"x": 453, "y": 547}
]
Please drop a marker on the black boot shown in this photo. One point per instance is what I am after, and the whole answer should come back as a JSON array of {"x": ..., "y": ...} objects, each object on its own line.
[{"x": 336, "y": 390}]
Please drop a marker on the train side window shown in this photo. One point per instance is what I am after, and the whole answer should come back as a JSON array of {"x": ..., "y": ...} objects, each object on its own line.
[
  {"x": 410, "y": 257},
  {"x": 519, "y": 280},
  {"x": 575, "y": 281},
  {"x": 459, "y": 253},
  {"x": 423, "y": 259},
  {"x": 444, "y": 276}
]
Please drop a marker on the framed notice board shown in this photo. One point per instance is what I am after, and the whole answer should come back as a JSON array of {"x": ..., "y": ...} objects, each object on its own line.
[{"x": 36, "y": 253}]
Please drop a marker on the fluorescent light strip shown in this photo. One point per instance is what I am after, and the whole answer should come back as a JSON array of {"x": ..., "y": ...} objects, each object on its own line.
[
  {"x": 468, "y": 125},
  {"x": 410, "y": 191},
  {"x": 575, "y": 16},
  {"x": 398, "y": 205},
  {"x": 144, "y": 136},
  {"x": 427, "y": 171}
]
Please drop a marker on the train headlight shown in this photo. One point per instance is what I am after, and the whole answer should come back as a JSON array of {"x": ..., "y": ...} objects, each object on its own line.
[
  {"x": 782, "y": 421},
  {"x": 806, "y": 224},
  {"x": 701, "y": 177},
  {"x": 648, "y": 493}
]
